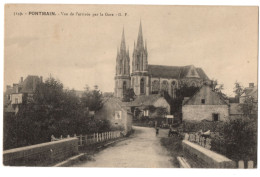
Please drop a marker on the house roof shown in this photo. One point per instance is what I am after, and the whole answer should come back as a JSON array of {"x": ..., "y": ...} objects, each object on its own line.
[
  {"x": 176, "y": 72},
  {"x": 145, "y": 100},
  {"x": 30, "y": 83},
  {"x": 199, "y": 90},
  {"x": 116, "y": 102},
  {"x": 250, "y": 91}
]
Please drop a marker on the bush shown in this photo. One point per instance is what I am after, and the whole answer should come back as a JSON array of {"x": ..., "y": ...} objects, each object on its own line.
[
  {"x": 195, "y": 126},
  {"x": 237, "y": 140}
]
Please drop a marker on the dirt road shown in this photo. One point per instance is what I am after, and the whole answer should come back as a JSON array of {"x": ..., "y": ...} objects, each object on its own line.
[{"x": 142, "y": 150}]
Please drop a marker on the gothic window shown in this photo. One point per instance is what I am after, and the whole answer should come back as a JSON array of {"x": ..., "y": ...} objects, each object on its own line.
[
  {"x": 142, "y": 86},
  {"x": 120, "y": 67},
  {"x": 173, "y": 88},
  {"x": 124, "y": 87},
  {"x": 165, "y": 86},
  {"x": 193, "y": 84},
  {"x": 155, "y": 86}
]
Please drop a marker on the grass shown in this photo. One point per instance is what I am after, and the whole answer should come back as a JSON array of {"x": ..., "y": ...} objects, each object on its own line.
[{"x": 174, "y": 147}]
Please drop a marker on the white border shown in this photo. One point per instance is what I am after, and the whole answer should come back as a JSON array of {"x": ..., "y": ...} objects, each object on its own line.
[{"x": 20, "y": 171}]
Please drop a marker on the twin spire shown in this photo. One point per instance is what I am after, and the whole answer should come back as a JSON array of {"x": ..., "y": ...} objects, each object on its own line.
[{"x": 140, "y": 42}]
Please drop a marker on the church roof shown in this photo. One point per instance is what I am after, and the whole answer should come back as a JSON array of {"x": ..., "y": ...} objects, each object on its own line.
[{"x": 176, "y": 72}]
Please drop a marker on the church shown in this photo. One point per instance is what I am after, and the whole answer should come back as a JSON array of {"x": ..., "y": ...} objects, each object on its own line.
[{"x": 146, "y": 79}]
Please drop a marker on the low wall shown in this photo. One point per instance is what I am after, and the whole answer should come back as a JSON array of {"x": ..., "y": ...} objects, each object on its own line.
[
  {"x": 200, "y": 157},
  {"x": 41, "y": 154}
]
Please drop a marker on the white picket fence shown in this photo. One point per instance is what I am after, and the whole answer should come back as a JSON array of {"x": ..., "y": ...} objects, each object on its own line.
[
  {"x": 204, "y": 142},
  {"x": 93, "y": 138}
]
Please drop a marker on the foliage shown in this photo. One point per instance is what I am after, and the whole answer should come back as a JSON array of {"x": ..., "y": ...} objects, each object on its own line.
[
  {"x": 92, "y": 99},
  {"x": 52, "y": 111},
  {"x": 238, "y": 89},
  {"x": 195, "y": 126},
  {"x": 186, "y": 91},
  {"x": 238, "y": 139},
  {"x": 128, "y": 95},
  {"x": 248, "y": 106},
  {"x": 174, "y": 147}
]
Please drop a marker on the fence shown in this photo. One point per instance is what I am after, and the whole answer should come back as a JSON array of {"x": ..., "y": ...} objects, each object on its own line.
[
  {"x": 89, "y": 139},
  {"x": 196, "y": 138},
  {"x": 206, "y": 143}
]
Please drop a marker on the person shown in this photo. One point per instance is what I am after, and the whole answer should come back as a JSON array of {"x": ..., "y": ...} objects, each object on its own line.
[{"x": 157, "y": 131}]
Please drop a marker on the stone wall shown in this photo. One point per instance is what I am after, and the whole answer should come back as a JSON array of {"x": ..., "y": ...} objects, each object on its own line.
[
  {"x": 42, "y": 154},
  {"x": 201, "y": 112},
  {"x": 199, "y": 157}
]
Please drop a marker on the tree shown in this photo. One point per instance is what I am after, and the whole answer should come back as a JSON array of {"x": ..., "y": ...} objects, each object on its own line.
[
  {"x": 128, "y": 95},
  {"x": 52, "y": 111},
  {"x": 238, "y": 90},
  {"x": 247, "y": 106},
  {"x": 92, "y": 99}
]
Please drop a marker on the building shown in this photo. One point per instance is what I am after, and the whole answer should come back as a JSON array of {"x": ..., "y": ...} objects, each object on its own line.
[
  {"x": 148, "y": 105},
  {"x": 205, "y": 104},
  {"x": 119, "y": 116},
  {"x": 20, "y": 93},
  {"x": 247, "y": 103},
  {"x": 146, "y": 79},
  {"x": 251, "y": 92}
]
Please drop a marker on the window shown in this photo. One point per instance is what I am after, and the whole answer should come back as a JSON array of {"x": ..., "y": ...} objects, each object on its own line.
[
  {"x": 118, "y": 115},
  {"x": 16, "y": 100},
  {"x": 203, "y": 101},
  {"x": 124, "y": 87},
  {"x": 155, "y": 87},
  {"x": 165, "y": 86},
  {"x": 215, "y": 117},
  {"x": 142, "y": 86}
]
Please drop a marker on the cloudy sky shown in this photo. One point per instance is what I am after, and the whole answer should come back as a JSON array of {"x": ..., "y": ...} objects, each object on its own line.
[{"x": 80, "y": 50}]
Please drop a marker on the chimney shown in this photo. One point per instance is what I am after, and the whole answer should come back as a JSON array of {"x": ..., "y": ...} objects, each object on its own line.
[
  {"x": 21, "y": 80},
  {"x": 251, "y": 85}
]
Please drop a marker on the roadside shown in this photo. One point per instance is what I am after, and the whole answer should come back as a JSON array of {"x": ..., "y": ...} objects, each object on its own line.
[
  {"x": 174, "y": 147},
  {"x": 142, "y": 150},
  {"x": 86, "y": 153}
]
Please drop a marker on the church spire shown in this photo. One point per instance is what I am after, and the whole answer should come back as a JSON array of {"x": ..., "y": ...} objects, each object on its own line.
[
  {"x": 123, "y": 46},
  {"x": 139, "y": 44},
  {"x": 140, "y": 62}
]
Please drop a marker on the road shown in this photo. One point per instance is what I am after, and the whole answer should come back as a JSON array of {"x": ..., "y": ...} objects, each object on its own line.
[{"x": 142, "y": 150}]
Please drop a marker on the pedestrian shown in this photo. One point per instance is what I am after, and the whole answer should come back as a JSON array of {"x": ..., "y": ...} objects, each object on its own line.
[{"x": 157, "y": 131}]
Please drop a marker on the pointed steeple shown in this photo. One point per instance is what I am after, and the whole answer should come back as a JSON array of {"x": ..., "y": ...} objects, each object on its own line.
[
  {"x": 123, "y": 47},
  {"x": 140, "y": 37}
]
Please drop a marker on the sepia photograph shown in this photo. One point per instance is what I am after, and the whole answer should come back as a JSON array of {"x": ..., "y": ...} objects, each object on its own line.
[{"x": 130, "y": 86}]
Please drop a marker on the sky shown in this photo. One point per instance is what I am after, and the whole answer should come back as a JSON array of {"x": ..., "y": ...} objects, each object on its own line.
[{"x": 81, "y": 50}]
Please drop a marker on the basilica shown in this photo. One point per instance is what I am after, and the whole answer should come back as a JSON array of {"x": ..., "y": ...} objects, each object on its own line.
[{"x": 146, "y": 79}]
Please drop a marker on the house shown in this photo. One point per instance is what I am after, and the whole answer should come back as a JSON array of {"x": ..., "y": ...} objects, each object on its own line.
[
  {"x": 247, "y": 103},
  {"x": 21, "y": 92},
  {"x": 117, "y": 114},
  {"x": 250, "y": 91},
  {"x": 148, "y": 105},
  {"x": 205, "y": 104}
]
